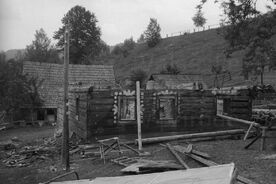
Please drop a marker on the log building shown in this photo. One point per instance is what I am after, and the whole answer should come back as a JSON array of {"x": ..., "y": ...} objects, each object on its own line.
[{"x": 52, "y": 85}]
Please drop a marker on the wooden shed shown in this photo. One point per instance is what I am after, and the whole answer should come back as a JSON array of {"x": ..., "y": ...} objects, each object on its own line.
[{"x": 96, "y": 112}]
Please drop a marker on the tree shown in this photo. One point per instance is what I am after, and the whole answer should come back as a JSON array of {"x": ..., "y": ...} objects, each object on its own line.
[
  {"x": 152, "y": 34},
  {"x": 17, "y": 89},
  {"x": 2, "y": 56},
  {"x": 141, "y": 39},
  {"x": 104, "y": 48},
  {"x": 117, "y": 50},
  {"x": 84, "y": 34},
  {"x": 171, "y": 69},
  {"x": 199, "y": 20},
  {"x": 245, "y": 28},
  {"x": 125, "y": 48},
  {"x": 41, "y": 49}
]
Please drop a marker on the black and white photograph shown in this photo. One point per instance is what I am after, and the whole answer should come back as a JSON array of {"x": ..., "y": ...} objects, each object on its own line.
[{"x": 138, "y": 91}]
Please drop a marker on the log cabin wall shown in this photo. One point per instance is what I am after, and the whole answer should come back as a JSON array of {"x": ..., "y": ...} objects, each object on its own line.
[
  {"x": 265, "y": 99},
  {"x": 107, "y": 112},
  {"x": 78, "y": 100}
]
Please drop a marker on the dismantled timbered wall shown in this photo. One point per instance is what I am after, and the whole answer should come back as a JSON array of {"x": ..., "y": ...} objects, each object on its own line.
[{"x": 104, "y": 112}]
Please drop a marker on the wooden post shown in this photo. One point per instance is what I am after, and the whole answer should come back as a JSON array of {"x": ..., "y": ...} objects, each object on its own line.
[
  {"x": 138, "y": 112},
  {"x": 65, "y": 134}
]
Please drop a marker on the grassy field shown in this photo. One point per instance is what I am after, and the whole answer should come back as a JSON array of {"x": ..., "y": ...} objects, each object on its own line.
[
  {"x": 248, "y": 162},
  {"x": 193, "y": 53}
]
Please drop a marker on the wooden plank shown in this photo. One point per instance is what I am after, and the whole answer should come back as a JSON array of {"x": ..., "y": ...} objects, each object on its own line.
[
  {"x": 190, "y": 149},
  {"x": 180, "y": 160},
  {"x": 183, "y": 150}
]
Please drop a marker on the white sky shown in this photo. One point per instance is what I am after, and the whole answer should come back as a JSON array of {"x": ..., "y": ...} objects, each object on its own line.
[{"x": 118, "y": 19}]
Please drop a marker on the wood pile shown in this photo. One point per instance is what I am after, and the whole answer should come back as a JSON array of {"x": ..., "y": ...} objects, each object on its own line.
[{"x": 14, "y": 156}]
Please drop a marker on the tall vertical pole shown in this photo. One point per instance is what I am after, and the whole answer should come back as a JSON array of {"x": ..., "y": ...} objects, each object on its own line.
[
  {"x": 138, "y": 112},
  {"x": 65, "y": 143}
]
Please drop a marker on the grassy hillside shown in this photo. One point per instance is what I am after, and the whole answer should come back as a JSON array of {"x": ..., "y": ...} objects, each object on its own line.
[{"x": 193, "y": 53}]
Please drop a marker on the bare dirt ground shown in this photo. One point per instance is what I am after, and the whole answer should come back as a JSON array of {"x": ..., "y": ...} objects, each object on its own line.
[{"x": 248, "y": 162}]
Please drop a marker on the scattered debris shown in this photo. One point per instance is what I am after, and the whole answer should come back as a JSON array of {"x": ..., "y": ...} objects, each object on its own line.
[
  {"x": 8, "y": 145},
  {"x": 25, "y": 156}
]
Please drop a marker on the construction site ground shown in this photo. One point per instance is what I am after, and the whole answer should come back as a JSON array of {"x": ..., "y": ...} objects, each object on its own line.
[{"x": 250, "y": 163}]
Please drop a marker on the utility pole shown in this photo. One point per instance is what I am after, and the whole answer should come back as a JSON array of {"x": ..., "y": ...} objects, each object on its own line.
[{"x": 65, "y": 134}]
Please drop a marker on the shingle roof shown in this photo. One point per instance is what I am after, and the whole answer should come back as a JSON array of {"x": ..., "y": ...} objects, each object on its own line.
[{"x": 52, "y": 74}]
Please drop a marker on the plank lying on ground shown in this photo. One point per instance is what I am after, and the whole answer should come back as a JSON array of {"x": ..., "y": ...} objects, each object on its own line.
[
  {"x": 180, "y": 160},
  {"x": 190, "y": 136},
  {"x": 89, "y": 146},
  {"x": 221, "y": 174},
  {"x": 149, "y": 166},
  {"x": 190, "y": 149},
  {"x": 210, "y": 163},
  {"x": 239, "y": 120},
  {"x": 132, "y": 149},
  {"x": 204, "y": 161}
]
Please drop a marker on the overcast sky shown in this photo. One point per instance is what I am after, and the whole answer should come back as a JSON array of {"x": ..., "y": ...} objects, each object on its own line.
[{"x": 118, "y": 19}]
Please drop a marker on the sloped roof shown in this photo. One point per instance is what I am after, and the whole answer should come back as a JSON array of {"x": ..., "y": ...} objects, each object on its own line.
[{"x": 52, "y": 76}]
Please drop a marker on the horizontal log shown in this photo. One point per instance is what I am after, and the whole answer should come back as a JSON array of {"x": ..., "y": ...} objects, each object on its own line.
[
  {"x": 100, "y": 115},
  {"x": 190, "y": 136},
  {"x": 101, "y": 108},
  {"x": 100, "y": 123},
  {"x": 240, "y": 98},
  {"x": 240, "y": 104},
  {"x": 102, "y": 101},
  {"x": 240, "y": 111},
  {"x": 239, "y": 120}
]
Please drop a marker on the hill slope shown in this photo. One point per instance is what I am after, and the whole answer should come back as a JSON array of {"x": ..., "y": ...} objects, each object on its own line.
[{"x": 193, "y": 53}]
